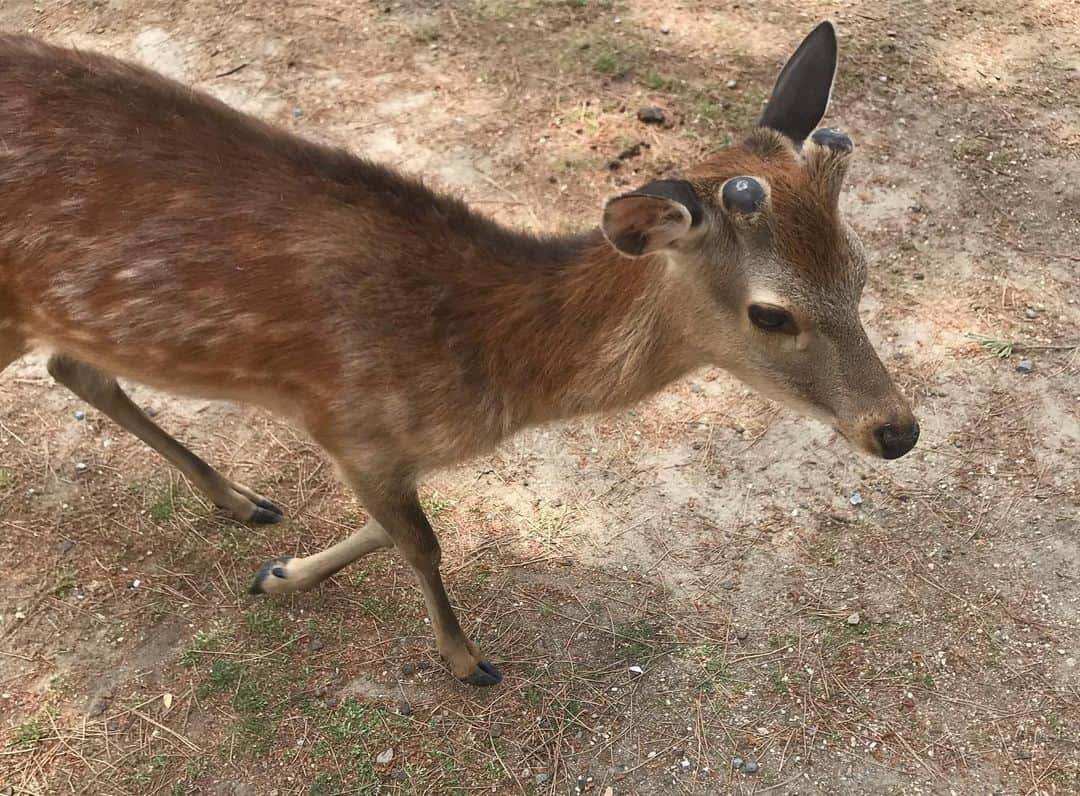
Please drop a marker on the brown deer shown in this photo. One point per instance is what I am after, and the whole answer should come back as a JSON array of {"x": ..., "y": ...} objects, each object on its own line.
[{"x": 148, "y": 231}]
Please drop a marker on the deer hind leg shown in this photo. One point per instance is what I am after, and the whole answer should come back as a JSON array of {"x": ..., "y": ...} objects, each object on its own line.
[
  {"x": 285, "y": 575},
  {"x": 101, "y": 391}
]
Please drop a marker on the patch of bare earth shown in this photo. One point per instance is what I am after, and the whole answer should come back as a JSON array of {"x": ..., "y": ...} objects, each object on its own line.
[{"x": 665, "y": 590}]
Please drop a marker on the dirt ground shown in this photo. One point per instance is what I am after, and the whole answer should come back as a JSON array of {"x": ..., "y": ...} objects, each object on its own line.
[{"x": 923, "y": 641}]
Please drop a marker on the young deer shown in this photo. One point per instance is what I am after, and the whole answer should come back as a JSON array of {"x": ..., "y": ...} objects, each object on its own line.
[{"x": 151, "y": 232}]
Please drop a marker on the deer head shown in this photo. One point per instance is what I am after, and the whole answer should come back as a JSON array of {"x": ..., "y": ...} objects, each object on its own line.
[{"x": 772, "y": 274}]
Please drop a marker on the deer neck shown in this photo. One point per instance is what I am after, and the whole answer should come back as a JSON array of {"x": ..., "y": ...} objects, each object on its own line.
[{"x": 586, "y": 330}]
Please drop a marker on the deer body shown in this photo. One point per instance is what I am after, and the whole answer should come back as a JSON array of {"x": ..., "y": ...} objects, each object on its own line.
[{"x": 150, "y": 232}]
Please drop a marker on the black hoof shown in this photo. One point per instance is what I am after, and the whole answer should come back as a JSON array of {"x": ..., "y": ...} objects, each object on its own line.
[
  {"x": 485, "y": 674},
  {"x": 274, "y": 568},
  {"x": 270, "y": 506},
  {"x": 264, "y": 516}
]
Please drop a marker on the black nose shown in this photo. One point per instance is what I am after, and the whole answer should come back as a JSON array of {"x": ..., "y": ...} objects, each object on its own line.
[{"x": 895, "y": 441}]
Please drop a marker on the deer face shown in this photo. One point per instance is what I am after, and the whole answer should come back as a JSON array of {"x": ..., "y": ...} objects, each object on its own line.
[{"x": 772, "y": 273}]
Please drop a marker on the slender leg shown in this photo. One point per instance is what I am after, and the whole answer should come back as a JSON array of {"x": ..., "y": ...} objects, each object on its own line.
[
  {"x": 397, "y": 519},
  {"x": 399, "y": 512},
  {"x": 285, "y": 575},
  {"x": 101, "y": 391}
]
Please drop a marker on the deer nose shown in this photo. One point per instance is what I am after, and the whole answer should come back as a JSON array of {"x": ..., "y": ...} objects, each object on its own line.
[{"x": 894, "y": 440}]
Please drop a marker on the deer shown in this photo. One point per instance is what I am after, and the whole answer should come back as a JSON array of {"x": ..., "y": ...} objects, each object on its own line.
[{"x": 152, "y": 233}]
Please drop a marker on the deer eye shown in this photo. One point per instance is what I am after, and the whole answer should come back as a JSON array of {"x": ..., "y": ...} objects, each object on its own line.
[{"x": 772, "y": 319}]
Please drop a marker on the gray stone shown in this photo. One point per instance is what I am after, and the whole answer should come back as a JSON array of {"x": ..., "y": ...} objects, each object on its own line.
[{"x": 1025, "y": 366}]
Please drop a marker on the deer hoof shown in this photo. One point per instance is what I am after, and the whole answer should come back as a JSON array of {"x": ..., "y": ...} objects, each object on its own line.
[
  {"x": 485, "y": 674},
  {"x": 269, "y": 505},
  {"x": 266, "y": 513},
  {"x": 274, "y": 569}
]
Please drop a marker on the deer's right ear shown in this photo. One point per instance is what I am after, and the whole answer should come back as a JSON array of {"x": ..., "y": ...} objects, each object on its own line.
[
  {"x": 652, "y": 218},
  {"x": 801, "y": 94}
]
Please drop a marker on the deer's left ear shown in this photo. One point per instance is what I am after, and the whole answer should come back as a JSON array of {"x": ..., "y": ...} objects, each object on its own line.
[
  {"x": 652, "y": 218},
  {"x": 801, "y": 93}
]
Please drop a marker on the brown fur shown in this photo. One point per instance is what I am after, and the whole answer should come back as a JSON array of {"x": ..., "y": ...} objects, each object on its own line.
[
  {"x": 149, "y": 231},
  {"x": 803, "y": 220}
]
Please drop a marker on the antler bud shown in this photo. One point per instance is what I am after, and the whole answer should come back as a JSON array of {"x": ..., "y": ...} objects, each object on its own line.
[{"x": 827, "y": 154}]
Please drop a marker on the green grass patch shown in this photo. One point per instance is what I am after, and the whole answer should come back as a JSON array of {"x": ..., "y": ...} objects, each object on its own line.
[
  {"x": 65, "y": 584},
  {"x": 636, "y": 641},
  {"x": 266, "y": 623},
  {"x": 711, "y": 662},
  {"x": 353, "y": 733},
  {"x": 29, "y": 734},
  {"x": 255, "y": 735},
  {"x": 143, "y": 775},
  {"x": 163, "y": 508},
  {"x": 435, "y": 504},
  {"x": 654, "y": 81},
  {"x": 203, "y": 644}
]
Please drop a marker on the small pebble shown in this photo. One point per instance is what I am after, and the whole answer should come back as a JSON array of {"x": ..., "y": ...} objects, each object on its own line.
[
  {"x": 732, "y": 83},
  {"x": 384, "y": 757},
  {"x": 1030, "y": 312},
  {"x": 854, "y": 619},
  {"x": 751, "y": 767},
  {"x": 80, "y": 415},
  {"x": 737, "y": 762},
  {"x": 856, "y": 499},
  {"x": 315, "y": 645},
  {"x": 1025, "y": 366},
  {"x": 542, "y": 777},
  {"x": 408, "y": 669},
  {"x": 741, "y": 635},
  {"x": 81, "y": 467},
  {"x": 404, "y": 708},
  {"x": 636, "y": 670},
  {"x": 665, "y": 30},
  {"x": 918, "y": 276}
]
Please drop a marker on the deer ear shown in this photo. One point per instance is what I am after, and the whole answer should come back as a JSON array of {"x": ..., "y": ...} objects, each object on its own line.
[
  {"x": 801, "y": 93},
  {"x": 652, "y": 218}
]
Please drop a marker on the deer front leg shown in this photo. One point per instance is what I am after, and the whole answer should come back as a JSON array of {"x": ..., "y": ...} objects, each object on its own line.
[
  {"x": 285, "y": 575},
  {"x": 398, "y": 511}
]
